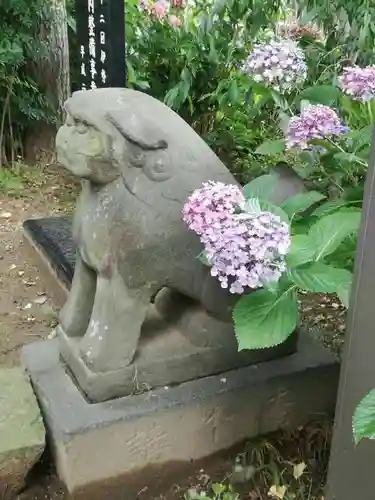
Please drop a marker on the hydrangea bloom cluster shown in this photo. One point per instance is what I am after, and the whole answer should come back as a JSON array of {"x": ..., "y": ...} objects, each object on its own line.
[
  {"x": 358, "y": 82},
  {"x": 316, "y": 121},
  {"x": 209, "y": 207},
  {"x": 278, "y": 64},
  {"x": 245, "y": 248},
  {"x": 160, "y": 9}
]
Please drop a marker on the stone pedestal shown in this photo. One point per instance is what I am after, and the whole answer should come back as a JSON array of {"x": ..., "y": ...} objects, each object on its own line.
[
  {"x": 117, "y": 448},
  {"x": 169, "y": 353}
]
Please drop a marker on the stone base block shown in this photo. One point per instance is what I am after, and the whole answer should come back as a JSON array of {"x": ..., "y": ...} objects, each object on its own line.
[
  {"x": 119, "y": 448},
  {"x": 22, "y": 434}
]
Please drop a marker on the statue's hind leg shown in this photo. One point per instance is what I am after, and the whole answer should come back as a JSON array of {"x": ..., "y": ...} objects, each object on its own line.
[{"x": 113, "y": 333}]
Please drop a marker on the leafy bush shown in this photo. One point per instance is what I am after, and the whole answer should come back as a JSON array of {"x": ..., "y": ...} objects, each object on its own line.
[
  {"x": 336, "y": 146},
  {"x": 21, "y": 101},
  {"x": 348, "y": 24},
  {"x": 194, "y": 66},
  {"x": 194, "y": 69}
]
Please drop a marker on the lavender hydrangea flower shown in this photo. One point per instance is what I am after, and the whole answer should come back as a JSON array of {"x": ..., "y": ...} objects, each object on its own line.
[
  {"x": 316, "y": 121},
  {"x": 358, "y": 83},
  {"x": 245, "y": 248},
  {"x": 209, "y": 206},
  {"x": 278, "y": 64}
]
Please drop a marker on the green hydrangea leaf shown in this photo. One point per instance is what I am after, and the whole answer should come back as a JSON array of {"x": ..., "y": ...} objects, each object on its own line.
[
  {"x": 330, "y": 231},
  {"x": 364, "y": 418},
  {"x": 264, "y": 319},
  {"x": 317, "y": 277}
]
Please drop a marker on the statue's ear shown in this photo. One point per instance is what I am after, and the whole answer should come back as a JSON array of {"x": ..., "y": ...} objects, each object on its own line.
[{"x": 137, "y": 129}]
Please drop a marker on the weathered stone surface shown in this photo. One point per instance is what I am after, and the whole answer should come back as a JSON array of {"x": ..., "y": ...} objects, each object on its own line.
[
  {"x": 115, "y": 449},
  {"x": 139, "y": 161},
  {"x": 52, "y": 236},
  {"x": 22, "y": 436}
]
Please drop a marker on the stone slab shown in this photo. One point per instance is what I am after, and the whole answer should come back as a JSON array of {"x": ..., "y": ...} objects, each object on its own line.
[
  {"x": 117, "y": 448},
  {"x": 55, "y": 261},
  {"x": 22, "y": 435},
  {"x": 53, "y": 236}
]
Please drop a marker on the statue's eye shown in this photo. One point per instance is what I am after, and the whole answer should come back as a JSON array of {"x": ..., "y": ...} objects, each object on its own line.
[
  {"x": 81, "y": 128},
  {"x": 158, "y": 167}
]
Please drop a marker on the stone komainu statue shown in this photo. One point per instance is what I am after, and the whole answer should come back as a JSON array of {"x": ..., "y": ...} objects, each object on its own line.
[{"x": 139, "y": 162}]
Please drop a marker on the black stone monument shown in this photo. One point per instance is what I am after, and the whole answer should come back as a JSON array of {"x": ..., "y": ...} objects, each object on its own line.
[{"x": 101, "y": 41}]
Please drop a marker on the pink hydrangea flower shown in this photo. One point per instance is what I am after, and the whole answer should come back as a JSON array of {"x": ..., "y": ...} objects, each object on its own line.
[
  {"x": 277, "y": 64},
  {"x": 159, "y": 8},
  {"x": 315, "y": 122},
  {"x": 175, "y": 21},
  {"x": 245, "y": 249},
  {"x": 210, "y": 205},
  {"x": 358, "y": 83}
]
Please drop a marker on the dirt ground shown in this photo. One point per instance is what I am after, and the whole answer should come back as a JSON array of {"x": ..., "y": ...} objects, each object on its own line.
[
  {"x": 27, "y": 313},
  {"x": 26, "y": 310}
]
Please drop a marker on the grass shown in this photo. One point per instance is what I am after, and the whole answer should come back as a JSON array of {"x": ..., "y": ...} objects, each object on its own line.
[
  {"x": 285, "y": 466},
  {"x": 44, "y": 184},
  {"x": 10, "y": 180}
]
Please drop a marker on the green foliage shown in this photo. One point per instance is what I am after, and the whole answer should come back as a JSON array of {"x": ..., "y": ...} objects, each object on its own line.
[
  {"x": 317, "y": 277},
  {"x": 10, "y": 181},
  {"x": 271, "y": 147},
  {"x": 301, "y": 202},
  {"x": 320, "y": 94},
  {"x": 265, "y": 318},
  {"x": 348, "y": 24},
  {"x": 364, "y": 418},
  {"x": 333, "y": 167},
  {"x": 21, "y": 101},
  {"x": 317, "y": 262},
  {"x": 327, "y": 233},
  {"x": 195, "y": 70},
  {"x": 262, "y": 187}
]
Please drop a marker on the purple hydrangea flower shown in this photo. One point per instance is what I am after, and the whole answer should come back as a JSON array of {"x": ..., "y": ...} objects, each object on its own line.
[
  {"x": 209, "y": 206},
  {"x": 245, "y": 248},
  {"x": 358, "y": 83},
  {"x": 316, "y": 121},
  {"x": 277, "y": 64}
]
